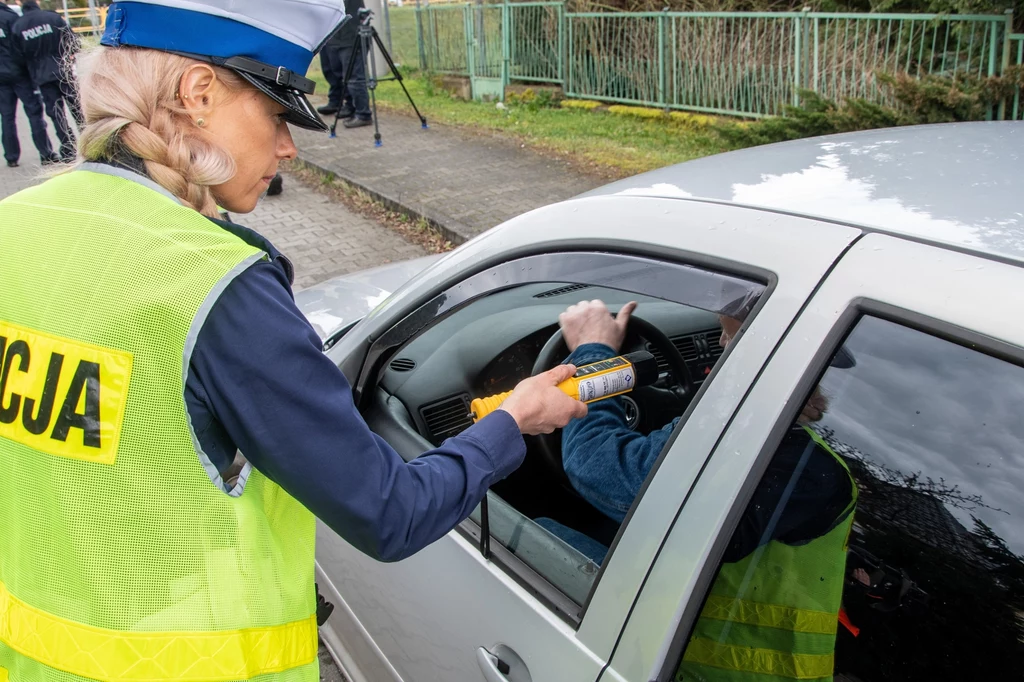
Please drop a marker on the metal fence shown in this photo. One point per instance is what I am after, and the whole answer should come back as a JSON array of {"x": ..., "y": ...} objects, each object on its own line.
[
  {"x": 85, "y": 19},
  {"x": 740, "y": 63},
  {"x": 1014, "y": 57}
]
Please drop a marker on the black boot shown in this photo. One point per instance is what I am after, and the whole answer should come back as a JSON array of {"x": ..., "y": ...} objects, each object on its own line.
[{"x": 276, "y": 186}]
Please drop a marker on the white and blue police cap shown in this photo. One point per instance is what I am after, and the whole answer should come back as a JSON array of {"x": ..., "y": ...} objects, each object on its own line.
[{"x": 270, "y": 43}]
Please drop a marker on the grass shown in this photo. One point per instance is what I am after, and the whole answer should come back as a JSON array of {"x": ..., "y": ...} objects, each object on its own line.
[
  {"x": 404, "y": 48},
  {"x": 596, "y": 141}
]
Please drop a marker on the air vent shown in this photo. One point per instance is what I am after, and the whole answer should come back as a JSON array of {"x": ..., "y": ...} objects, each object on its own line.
[
  {"x": 662, "y": 363},
  {"x": 687, "y": 347},
  {"x": 562, "y": 290},
  {"x": 446, "y": 417},
  {"x": 402, "y": 365},
  {"x": 700, "y": 351}
]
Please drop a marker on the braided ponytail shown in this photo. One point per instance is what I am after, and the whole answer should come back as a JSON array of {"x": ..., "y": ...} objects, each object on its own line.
[{"x": 129, "y": 97}]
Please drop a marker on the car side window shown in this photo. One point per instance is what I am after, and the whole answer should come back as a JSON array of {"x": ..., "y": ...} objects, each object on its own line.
[
  {"x": 884, "y": 539},
  {"x": 542, "y": 529}
]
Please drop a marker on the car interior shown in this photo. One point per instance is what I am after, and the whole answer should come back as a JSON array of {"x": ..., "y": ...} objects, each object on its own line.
[{"x": 486, "y": 347}]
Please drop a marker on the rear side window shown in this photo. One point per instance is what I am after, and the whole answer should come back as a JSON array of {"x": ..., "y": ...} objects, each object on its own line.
[{"x": 884, "y": 541}]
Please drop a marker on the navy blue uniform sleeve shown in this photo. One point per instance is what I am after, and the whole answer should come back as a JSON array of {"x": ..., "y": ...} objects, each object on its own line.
[{"x": 258, "y": 381}]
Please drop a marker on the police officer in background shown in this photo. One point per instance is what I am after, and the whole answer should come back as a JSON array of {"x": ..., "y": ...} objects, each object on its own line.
[
  {"x": 46, "y": 44},
  {"x": 170, "y": 428},
  {"x": 353, "y": 64},
  {"x": 338, "y": 100},
  {"x": 15, "y": 84}
]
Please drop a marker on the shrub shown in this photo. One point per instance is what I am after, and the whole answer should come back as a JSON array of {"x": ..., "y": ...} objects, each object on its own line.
[{"x": 931, "y": 99}]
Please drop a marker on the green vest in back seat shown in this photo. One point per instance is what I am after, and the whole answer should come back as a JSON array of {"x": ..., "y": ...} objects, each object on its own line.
[{"x": 772, "y": 616}]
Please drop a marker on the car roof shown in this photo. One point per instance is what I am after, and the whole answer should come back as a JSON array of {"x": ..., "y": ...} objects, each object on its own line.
[{"x": 959, "y": 184}]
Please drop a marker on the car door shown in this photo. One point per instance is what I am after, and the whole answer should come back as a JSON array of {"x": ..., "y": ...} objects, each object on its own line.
[
  {"x": 932, "y": 584},
  {"x": 449, "y": 612}
]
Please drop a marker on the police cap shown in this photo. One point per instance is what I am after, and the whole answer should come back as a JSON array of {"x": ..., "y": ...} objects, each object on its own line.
[{"x": 270, "y": 43}]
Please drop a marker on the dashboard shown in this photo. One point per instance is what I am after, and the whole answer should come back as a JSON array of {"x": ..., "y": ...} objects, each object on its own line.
[
  {"x": 491, "y": 344},
  {"x": 513, "y": 364}
]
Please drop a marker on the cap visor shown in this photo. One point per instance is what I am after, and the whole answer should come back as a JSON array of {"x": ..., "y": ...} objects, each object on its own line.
[{"x": 299, "y": 111}]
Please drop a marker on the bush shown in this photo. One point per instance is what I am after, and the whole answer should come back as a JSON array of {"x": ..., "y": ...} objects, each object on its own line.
[
  {"x": 532, "y": 100},
  {"x": 931, "y": 99}
]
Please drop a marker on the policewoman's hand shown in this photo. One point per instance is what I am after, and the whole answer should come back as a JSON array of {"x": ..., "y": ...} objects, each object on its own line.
[{"x": 539, "y": 406}]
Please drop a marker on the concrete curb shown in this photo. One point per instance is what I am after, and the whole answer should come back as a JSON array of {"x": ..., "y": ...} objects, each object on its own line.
[{"x": 451, "y": 229}]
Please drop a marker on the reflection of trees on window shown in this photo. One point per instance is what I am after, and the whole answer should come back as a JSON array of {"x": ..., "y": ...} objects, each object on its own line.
[{"x": 948, "y": 600}]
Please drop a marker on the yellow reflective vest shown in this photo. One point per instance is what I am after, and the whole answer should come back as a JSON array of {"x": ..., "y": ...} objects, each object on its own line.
[
  {"x": 772, "y": 616},
  {"x": 120, "y": 559}
]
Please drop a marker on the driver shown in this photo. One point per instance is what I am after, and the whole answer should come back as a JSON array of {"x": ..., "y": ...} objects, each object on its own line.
[{"x": 773, "y": 609}]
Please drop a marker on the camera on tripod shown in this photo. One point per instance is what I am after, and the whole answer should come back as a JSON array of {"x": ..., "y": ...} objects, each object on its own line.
[{"x": 367, "y": 38}]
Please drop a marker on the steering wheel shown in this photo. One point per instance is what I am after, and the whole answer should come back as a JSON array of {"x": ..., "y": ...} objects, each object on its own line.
[{"x": 555, "y": 351}]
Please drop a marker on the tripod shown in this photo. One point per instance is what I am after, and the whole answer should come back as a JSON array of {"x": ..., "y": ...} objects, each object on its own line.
[{"x": 367, "y": 38}]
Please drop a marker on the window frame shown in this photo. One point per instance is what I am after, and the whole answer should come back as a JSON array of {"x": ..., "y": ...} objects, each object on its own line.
[
  {"x": 478, "y": 283},
  {"x": 842, "y": 327}
]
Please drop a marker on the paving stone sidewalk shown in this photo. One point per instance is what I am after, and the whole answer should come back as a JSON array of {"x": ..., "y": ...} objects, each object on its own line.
[{"x": 463, "y": 182}]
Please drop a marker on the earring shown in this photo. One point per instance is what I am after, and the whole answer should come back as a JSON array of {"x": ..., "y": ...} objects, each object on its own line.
[{"x": 200, "y": 122}]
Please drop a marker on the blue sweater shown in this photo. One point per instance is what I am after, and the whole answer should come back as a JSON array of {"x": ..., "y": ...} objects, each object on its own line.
[
  {"x": 259, "y": 383},
  {"x": 607, "y": 464}
]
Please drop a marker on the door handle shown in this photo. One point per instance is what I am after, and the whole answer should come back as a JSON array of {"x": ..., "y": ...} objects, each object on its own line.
[
  {"x": 494, "y": 668},
  {"x": 504, "y": 665}
]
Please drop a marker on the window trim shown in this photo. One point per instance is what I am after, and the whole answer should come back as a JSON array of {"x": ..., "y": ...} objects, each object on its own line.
[
  {"x": 370, "y": 362},
  {"x": 843, "y": 326},
  {"x": 430, "y": 310}
]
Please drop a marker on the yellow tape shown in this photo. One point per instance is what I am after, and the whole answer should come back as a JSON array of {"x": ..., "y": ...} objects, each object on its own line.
[
  {"x": 60, "y": 396},
  {"x": 109, "y": 655},
  {"x": 770, "y": 615},
  {"x": 763, "y": 661}
]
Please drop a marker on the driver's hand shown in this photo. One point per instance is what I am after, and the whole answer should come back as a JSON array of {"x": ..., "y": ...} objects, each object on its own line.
[
  {"x": 590, "y": 322},
  {"x": 539, "y": 406}
]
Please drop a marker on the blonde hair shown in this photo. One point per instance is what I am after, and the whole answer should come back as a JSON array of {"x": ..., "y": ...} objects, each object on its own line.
[{"x": 131, "y": 106}]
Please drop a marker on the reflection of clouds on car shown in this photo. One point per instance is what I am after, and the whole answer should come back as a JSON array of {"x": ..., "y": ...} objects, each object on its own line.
[{"x": 968, "y": 432}]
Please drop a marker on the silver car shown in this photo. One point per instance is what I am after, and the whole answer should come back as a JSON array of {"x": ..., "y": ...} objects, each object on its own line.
[{"x": 900, "y": 250}]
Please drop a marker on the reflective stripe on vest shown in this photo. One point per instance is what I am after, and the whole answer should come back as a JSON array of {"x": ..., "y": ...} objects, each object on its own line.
[
  {"x": 769, "y": 615},
  {"x": 759, "y": 661},
  {"x": 789, "y": 632},
  {"x": 120, "y": 558},
  {"x": 142, "y": 656}
]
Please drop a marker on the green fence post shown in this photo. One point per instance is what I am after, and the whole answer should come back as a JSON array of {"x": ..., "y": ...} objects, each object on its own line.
[
  {"x": 1007, "y": 30},
  {"x": 1016, "y": 95},
  {"x": 560, "y": 13},
  {"x": 419, "y": 37},
  {"x": 506, "y": 45},
  {"x": 661, "y": 59},
  {"x": 797, "y": 48},
  {"x": 814, "y": 85},
  {"x": 568, "y": 55},
  {"x": 992, "y": 27},
  {"x": 467, "y": 17}
]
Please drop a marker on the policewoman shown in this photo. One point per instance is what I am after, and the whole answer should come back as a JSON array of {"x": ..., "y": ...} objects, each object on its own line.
[{"x": 169, "y": 427}]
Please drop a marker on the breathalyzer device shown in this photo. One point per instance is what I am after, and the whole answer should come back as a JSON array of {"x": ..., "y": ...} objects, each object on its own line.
[{"x": 593, "y": 382}]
